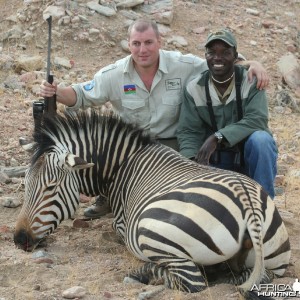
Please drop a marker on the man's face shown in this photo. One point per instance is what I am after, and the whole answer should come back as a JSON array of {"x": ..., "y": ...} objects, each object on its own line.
[
  {"x": 144, "y": 47},
  {"x": 220, "y": 58}
]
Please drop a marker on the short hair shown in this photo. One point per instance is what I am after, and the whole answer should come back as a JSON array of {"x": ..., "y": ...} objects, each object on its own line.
[{"x": 142, "y": 25}]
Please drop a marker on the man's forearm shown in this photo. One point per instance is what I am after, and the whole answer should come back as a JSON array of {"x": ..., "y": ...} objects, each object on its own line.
[{"x": 66, "y": 96}]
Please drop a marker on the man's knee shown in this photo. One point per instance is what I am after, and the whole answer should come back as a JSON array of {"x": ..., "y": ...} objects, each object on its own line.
[{"x": 261, "y": 140}]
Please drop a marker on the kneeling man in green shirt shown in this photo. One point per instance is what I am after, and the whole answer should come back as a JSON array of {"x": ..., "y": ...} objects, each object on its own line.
[{"x": 224, "y": 118}]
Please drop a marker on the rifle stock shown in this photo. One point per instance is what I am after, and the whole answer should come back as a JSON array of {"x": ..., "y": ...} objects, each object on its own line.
[{"x": 50, "y": 102}]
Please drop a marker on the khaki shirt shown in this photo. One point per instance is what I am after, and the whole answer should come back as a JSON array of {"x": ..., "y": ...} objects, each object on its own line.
[{"x": 156, "y": 111}]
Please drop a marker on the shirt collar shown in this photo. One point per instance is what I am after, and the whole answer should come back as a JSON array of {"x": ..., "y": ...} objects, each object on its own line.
[
  {"x": 129, "y": 68},
  {"x": 163, "y": 62},
  {"x": 223, "y": 98}
]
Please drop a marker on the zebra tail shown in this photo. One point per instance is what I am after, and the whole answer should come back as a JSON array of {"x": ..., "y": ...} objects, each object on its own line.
[{"x": 254, "y": 226}]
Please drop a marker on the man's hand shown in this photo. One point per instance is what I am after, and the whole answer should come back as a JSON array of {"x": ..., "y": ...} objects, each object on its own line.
[
  {"x": 256, "y": 69},
  {"x": 47, "y": 89},
  {"x": 206, "y": 150},
  {"x": 64, "y": 95}
]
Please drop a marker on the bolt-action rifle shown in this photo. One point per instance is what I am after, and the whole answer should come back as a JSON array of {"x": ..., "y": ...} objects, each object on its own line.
[{"x": 47, "y": 106}]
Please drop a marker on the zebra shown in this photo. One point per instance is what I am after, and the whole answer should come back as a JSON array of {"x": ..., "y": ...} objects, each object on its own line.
[{"x": 172, "y": 213}]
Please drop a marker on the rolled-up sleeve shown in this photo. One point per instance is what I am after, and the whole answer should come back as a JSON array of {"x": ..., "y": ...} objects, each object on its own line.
[{"x": 94, "y": 92}]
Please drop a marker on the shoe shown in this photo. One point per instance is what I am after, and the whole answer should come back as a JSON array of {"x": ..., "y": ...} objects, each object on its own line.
[{"x": 99, "y": 209}]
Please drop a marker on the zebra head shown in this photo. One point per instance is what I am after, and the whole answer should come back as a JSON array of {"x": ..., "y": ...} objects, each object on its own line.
[
  {"x": 51, "y": 196},
  {"x": 72, "y": 153}
]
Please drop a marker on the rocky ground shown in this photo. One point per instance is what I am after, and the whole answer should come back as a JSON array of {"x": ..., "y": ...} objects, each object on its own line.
[{"x": 84, "y": 39}]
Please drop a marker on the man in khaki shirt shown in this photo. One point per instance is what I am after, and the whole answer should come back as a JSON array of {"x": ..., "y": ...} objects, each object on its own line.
[
  {"x": 153, "y": 102},
  {"x": 145, "y": 87}
]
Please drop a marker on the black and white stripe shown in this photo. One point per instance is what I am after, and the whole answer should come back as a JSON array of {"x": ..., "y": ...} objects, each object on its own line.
[{"x": 171, "y": 212}]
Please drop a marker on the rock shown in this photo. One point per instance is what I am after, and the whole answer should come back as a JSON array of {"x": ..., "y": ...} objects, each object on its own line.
[
  {"x": 94, "y": 31},
  {"x": 55, "y": 11},
  {"x": 28, "y": 76},
  {"x": 43, "y": 260},
  {"x": 291, "y": 48},
  {"x": 178, "y": 41},
  {"x": 13, "y": 82},
  {"x": 129, "y": 3},
  {"x": 13, "y": 162},
  {"x": 295, "y": 173},
  {"x": 102, "y": 10},
  {"x": 279, "y": 180},
  {"x": 4, "y": 178},
  {"x": 14, "y": 171},
  {"x": 288, "y": 159},
  {"x": 129, "y": 280},
  {"x": 290, "y": 70},
  {"x": 124, "y": 46},
  {"x": 279, "y": 190},
  {"x": 10, "y": 202},
  {"x": 6, "y": 62},
  {"x": 284, "y": 99},
  {"x": 18, "y": 181},
  {"x": 163, "y": 29},
  {"x": 14, "y": 33},
  {"x": 267, "y": 24},
  {"x": 129, "y": 14},
  {"x": 199, "y": 30},
  {"x": 36, "y": 287},
  {"x": 79, "y": 223},
  {"x": 160, "y": 11},
  {"x": 4, "y": 229},
  {"x": 62, "y": 62},
  {"x": 39, "y": 254},
  {"x": 29, "y": 63},
  {"x": 74, "y": 292},
  {"x": 151, "y": 293},
  {"x": 107, "y": 295},
  {"x": 253, "y": 12},
  {"x": 164, "y": 18}
]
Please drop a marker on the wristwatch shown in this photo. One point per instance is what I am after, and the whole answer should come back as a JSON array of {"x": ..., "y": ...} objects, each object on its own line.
[{"x": 219, "y": 136}]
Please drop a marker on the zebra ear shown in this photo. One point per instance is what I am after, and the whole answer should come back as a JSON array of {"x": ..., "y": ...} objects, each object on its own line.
[{"x": 77, "y": 162}]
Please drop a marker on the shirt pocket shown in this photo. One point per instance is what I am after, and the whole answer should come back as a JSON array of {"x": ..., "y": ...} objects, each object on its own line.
[
  {"x": 171, "y": 105},
  {"x": 135, "y": 111}
]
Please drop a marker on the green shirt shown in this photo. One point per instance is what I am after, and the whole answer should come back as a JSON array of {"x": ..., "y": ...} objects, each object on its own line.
[{"x": 194, "y": 122}]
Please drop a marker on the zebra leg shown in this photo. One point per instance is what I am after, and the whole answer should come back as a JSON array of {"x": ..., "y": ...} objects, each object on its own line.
[
  {"x": 240, "y": 278},
  {"x": 178, "y": 275}
]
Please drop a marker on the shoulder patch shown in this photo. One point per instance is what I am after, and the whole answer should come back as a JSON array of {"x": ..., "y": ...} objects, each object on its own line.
[{"x": 89, "y": 86}]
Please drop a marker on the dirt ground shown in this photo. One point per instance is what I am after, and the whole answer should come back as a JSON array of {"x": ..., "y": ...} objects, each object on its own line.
[{"x": 90, "y": 257}]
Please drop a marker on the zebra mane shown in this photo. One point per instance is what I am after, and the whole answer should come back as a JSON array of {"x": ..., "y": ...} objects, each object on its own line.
[{"x": 51, "y": 129}]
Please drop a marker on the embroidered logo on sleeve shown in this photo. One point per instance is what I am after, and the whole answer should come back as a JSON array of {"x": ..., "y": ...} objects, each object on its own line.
[
  {"x": 173, "y": 84},
  {"x": 129, "y": 89},
  {"x": 89, "y": 86}
]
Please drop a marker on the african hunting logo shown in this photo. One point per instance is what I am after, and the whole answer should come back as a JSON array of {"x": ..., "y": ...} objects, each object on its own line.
[{"x": 277, "y": 290}]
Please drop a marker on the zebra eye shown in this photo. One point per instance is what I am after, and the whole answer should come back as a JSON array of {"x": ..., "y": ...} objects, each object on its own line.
[{"x": 51, "y": 186}]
